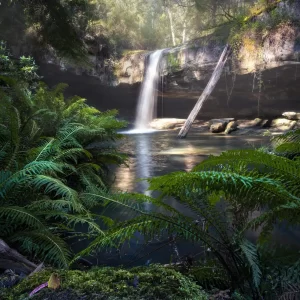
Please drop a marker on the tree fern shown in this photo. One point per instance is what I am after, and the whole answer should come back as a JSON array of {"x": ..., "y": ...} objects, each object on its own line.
[
  {"x": 47, "y": 166},
  {"x": 251, "y": 255},
  {"x": 21, "y": 216},
  {"x": 44, "y": 244},
  {"x": 292, "y": 292}
]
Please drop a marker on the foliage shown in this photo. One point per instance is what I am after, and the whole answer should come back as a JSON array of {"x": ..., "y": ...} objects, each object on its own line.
[
  {"x": 254, "y": 26},
  {"x": 54, "y": 23},
  {"x": 173, "y": 63},
  {"x": 47, "y": 162},
  {"x": 245, "y": 181},
  {"x": 24, "y": 69},
  {"x": 154, "y": 282}
]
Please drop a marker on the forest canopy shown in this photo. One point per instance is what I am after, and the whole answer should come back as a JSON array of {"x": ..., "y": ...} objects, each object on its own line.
[{"x": 133, "y": 24}]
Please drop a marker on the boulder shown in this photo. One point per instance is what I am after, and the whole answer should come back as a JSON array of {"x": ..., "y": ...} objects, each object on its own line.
[
  {"x": 291, "y": 115},
  {"x": 232, "y": 126},
  {"x": 283, "y": 124},
  {"x": 297, "y": 125},
  {"x": 218, "y": 127},
  {"x": 167, "y": 123},
  {"x": 258, "y": 122},
  {"x": 222, "y": 120}
]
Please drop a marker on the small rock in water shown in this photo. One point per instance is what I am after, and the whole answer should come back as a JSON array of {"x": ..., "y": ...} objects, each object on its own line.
[
  {"x": 232, "y": 126},
  {"x": 218, "y": 127}
]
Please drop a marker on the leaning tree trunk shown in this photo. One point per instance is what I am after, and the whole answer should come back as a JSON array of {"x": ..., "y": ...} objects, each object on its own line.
[
  {"x": 12, "y": 259},
  {"x": 206, "y": 93}
]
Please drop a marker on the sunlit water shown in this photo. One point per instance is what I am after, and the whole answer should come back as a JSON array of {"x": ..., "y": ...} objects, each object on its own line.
[{"x": 160, "y": 152}]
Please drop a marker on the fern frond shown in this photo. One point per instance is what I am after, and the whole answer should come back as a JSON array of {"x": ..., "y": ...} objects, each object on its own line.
[
  {"x": 288, "y": 149},
  {"x": 55, "y": 205},
  {"x": 250, "y": 252},
  {"x": 45, "y": 244},
  {"x": 241, "y": 161},
  {"x": 68, "y": 132},
  {"x": 56, "y": 187},
  {"x": 72, "y": 220},
  {"x": 71, "y": 154},
  {"x": 251, "y": 191},
  {"x": 43, "y": 152},
  {"x": 131, "y": 201},
  {"x": 292, "y": 292},
  {"x": 292, "y": 136},
  {"x": 21, "y": 216}
]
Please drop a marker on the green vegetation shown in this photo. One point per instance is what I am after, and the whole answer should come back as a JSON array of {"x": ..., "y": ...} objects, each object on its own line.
[
  {"x": 55, "y": 153},
  {"x": 72, "y": 27},
  {"x": 153, "y": 282},
  {"x": 245, "y": 181},
  {"x": 56, "y": 23},
  {"x": 48, "y": 163},
  {"x": 173, "y": 63}
]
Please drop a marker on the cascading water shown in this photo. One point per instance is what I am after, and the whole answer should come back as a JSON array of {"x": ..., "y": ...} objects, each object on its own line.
[{"x": 148, "y": 94}]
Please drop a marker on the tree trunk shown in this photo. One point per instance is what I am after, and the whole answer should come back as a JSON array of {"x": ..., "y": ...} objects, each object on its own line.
[
  {"x": 184, "y": 32},
  {"x": 206, "y": 93},
  {"x": 12, "y": 259},
  {"x": 171, "y": 26}
]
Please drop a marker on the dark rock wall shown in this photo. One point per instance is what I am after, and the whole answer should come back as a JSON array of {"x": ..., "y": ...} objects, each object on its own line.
[{"x": 279, "y": 92}]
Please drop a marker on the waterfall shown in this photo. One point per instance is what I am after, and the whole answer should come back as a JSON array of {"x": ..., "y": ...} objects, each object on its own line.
[{"x": 146, "y": 109}]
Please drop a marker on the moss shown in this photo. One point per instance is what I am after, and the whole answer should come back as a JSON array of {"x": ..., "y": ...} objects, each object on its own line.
[
  {"x": 155, "y": 282},
  {"x": 173, "y": 62},
  {"x": 257, "y": 27}
]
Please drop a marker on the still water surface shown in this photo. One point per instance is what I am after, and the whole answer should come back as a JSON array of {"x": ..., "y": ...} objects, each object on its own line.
[{"x": 161, "y": 152}]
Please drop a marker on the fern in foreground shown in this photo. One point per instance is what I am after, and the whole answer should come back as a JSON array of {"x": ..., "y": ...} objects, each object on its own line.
[
  {"x": 244, "y": 182},
  {"x": 52, "y": 150}
]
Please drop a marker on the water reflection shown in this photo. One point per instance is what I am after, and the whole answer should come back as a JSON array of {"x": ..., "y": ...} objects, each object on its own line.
[
  {"x": 143, "y": 163},
  {"x": 190, "y": 160},
  {"x": 160, "y": 153}
]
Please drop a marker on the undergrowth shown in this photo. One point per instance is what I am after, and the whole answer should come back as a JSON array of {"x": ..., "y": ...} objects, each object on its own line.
[{"x": 154, "y": 282}]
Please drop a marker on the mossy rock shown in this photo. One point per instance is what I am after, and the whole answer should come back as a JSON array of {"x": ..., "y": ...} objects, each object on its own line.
[{"x": 154, "y": 282}]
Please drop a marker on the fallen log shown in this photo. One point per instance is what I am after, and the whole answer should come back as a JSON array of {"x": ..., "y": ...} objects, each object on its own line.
[
  {"x": 207, "y": 91},
  {"x": 12, "y": 259}
]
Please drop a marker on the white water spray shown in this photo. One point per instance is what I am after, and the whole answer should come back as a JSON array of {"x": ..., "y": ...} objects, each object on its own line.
[{"x": 146, "y": 109}]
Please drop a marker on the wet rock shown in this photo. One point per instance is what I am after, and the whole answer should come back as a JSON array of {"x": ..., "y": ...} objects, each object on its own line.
[
  {"x": 283, "y": 124},
  {"x": 297, "y": 125},
  {"x": 258, "y": 122},
  {"x": 232, "y": 126},
  {"x": 218, "y": 127},
  {"x": 291, "y": 115},
  {"x": 222, "y": 120},
  {"x": 167, "y": 123}
]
